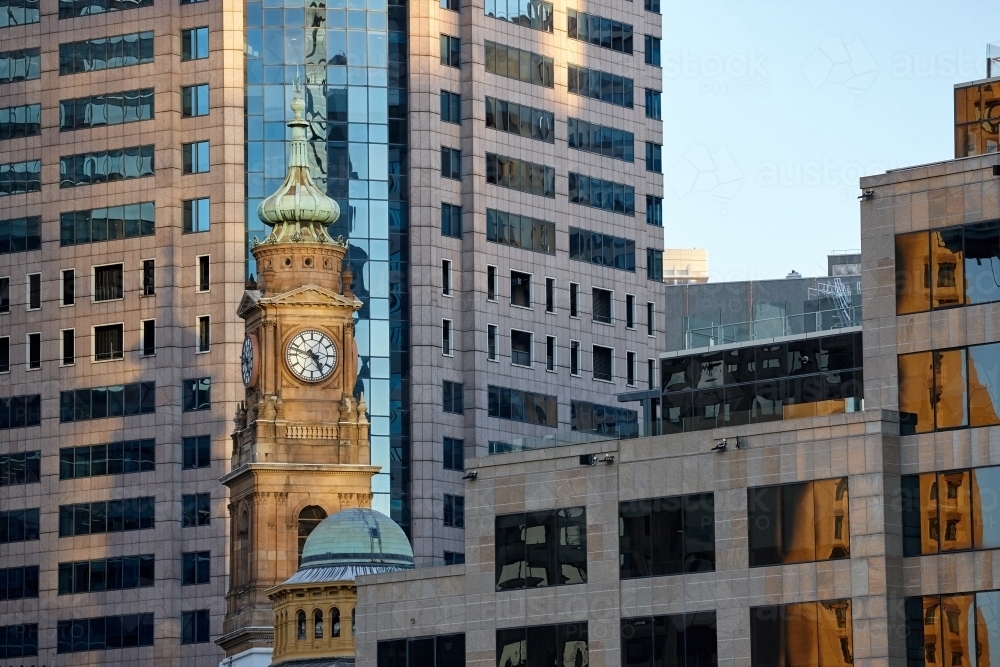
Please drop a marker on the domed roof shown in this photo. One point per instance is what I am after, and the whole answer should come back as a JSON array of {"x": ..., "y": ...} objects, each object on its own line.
[{"x": 358, "y": 537}]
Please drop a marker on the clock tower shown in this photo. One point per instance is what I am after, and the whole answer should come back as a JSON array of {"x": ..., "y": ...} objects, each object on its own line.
[{"x": 300, "y": 445}]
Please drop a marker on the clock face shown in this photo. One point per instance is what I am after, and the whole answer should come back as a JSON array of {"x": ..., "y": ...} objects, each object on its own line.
[
  {"x": 311, "y": 355},
  {"x": 248, "y": 361}
]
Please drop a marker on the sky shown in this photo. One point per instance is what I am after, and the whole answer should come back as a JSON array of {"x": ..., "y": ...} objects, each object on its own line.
[{"x": 773, "y": 109}]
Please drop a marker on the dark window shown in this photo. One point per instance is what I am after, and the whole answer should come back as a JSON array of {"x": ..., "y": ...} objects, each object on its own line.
[
  {"x": 602, "y": 249},
  {"x": 491, "y": 283},
  {"x": 73, "y": 8},
  {"x": 195, "y": 157},
  {"x": 451, "y": 107},
  {"x": 520, "y": 119},
  {"x": 195, "y": 568},
  {"x": 20, "y": 121},
  {"x": 603, "y": 419},
  {"x": 19, "y": 583},
  {"x": 102, "y": 402},
  {"x": 194, "y": 100},
  {"x": 517, "y": 64},
  {"x": 650, "y": 318},
  {"x": 604, "y": 363},
  {"x": 20, "y": 177},
  {"x": 34, "y": 351},
  {"x": 20, "y": 235},
  {"x": 106, "y": 53},
  {"x": 651, "y": 6},
  {"x": 653, "y": 104},
  {"x": 21, "y": 65},
  {"x": 799, "y": 523},
  {"x": 630, "y": 368},
  {"x": 440, "y": 651},
  {"x": 520, "y": 348},
  {"x": 148, "y": 338},
  {"x": 654, "y": 265},
  {"x": 630, "y": 311},
  {"x": 68, "y": 287},
  {"x": 679, "y": 640},
  {"x": 535, "y": 15},
  {"x": 109, "y": 282},
  {"x": 598, "y": 193},
  {"x": 603, "y": 305},
  {"x": 453, "y": 5},
  {"x": 550, "y": 353},
  {"x": 197, "y": 452},
  {"x": 491, "y": 342},
  {"x": 34, "y": 291},
  {"x": 20, "y": 411},
  {"x": 574, "y": 300},
  {"x": 520, "y": 289},
  {"x": 446, "y": 338},
  {"x": 651, "y": 45},
  {"x": 522, "y": 406},
  {"x": 194, "y": 43},
  {"x": 451, "y": 51},
  {"x": 107, "y": 574},
  {"x": 108, "y": 109},
  {"x": 453, "y": 558},
  {"x": 654, "y": 157},
  {"x": 105, "y": 166},
  {"x": 451, "y": 163},
  {"x": 520, "y": 175},
  {"x": 805, "y": 630},
  {"x": 520, "y": 231},
  {"x": 454, "y": 511},
  {"x": 599, "y": 85},
  {"x": 22, "y": 640},
  {"x": 21, "y": 468},
  {"x": 665, "y": 536},
  {"x": 453, "y": 397},
  {"x": 446, "y": 277},
  {"x": 116, "y": 458},
  {"x": 454, "y": 454},
  {"x": 19, "y": 526},
  {"x": 951, "y": 629},
  {"x": 599, "y": 31},
  {"x": 195, "y": 213},
  {"x": 196, "y": 510},
  {"x": 109, "y": 342},
  {"x": 654, "y": 210},
  {"x": 5, "y": 354},
  {"x": 543, "y": 645},
  {"x": 113, "y": 516},
  {"x": 309, "y": 518},
  {"x": 204, "y": 333},
  {"x": 550, "y": 295},
  {"x": 938, "y": 511},
  {"x": 574, "y": 357},
  {"x": 451, "y": 220},
  {"x": 197, "y": 394},
  {"x": 97, "y": 634},
  {"x": 107, "y": 224},
  {"x": 148, "y": 277},
  {"x": 4, "y": 295},
  {"x": 544, "y": 548},
  {"x": 607, "y": 141},
  {"x": 19, "y": 12},
  {"x": 651, "y": 373}
]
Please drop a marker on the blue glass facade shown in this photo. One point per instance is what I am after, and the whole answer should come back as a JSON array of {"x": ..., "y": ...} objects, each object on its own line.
[{"x": 350, "y": 57}]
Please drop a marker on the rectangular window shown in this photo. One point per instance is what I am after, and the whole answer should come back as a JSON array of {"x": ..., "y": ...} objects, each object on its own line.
[
  {"x": 520, "y": 348},
  {"x": 20, "y": 234},
  {"x": 196, "y": 510},
  {"x": 454, "y": 454},
  {"x": 654, "y": 157},
  {"x": 598, "y": 85},
  {"x": 21, "y": 65},
  {"x": 68, "y": 337},
  {"x": 653, "y": 105},
  {"x": 109, "y": 282},
  {"x": 607, "y": 420},
  {"x": 116, "y": 458},
  {"x": 97, "y": 634},
  {"x": 451, "y": 107},
  {"x": 654, "y": 265},
  {"x": 799, "y": 523},
  {"x": 601, "y": 194},
  {"x": 603, "y": 306},
  {"x": 195, "y": 215},
  {"x": 454, "y": 511},
  {"x": 106, "y": 166},
  {"x": 491, "y": 342},
  {"x": 451, "y": 51},
  {"x": 534, "y": 15},
  {"x": 196, "y": 452},
  {"x": 574, "y": 300},
  {"x": 204, "y": 274},
  {"x": 19, "y": 583},
  {"x": 491, "y": 283},
  {"x": 19, "y": 12},
  {"x": 194, "y": 101},
  {"x": 520, "y": 175},
  {"x": 630, "y": 311},
  {"x": 604, "y": 363},
  {"x": 602, "y": 249},
  {"x": 692, "y": 639},
  {"x": 4, "y": 354},
  {"x": 520, "y": 231},
  {"x": 520, "y": 289},
  {"x": 453, "y": 397},
  {"x": 574, "y": 357},
  {"x": 451, "y": 163},
  {"x": 446, "y": 277},
  {"x": 148, "y": 277},
  {"x": 204, "y": 334},
  {"x": 808, "y": 629},
  {"x": 952, "y": 629},
  {"x": 109, "y": 342},
  {"x": 21, "y": 526},
  {"x": 450, "y": 558},
  {"x": 517, "y": 64},
  {"x": 68, "y": 287},
  {"x": 446, "y": 338},
  {"x": 109, "y": 109},
  {"x": 195, "y": 157},
  {"x": 449, "y": 649},
  {"x": 452, "y": 5},
  {"x": 71, "y": 8},
  {"x": 451, "y": 220},
  {"x": 114, "y": 516},
  {"x": 651, "y": 373},
  {"x": 651, "y": 46},
  {"x": 536, "y": 643},
  {"x": 939, "y": 511},
  {"x": 606, "y": 141},
  {"x": 550, "y": 544},
  {"x": 105, "y": 53},
  {"x": 650, "y": 318},
  {"x": 599, "y": 31},
  {"x": 107, "y": 574},
  {"x": 34, "y": 291},
  {"x": 34, "y": 345},
  {"x": 550, "y": 353},
  {"x": 20, "y": 469},
  {"x": 107, "y": 224},
  {"x": 20, "y": 121},
  {"x": 654, "y": 210},
  {"x": 520, "y": 119},
  {"x": 195, "y": 567},
  {"x": 523, "y": 406},
  {"x": 103, "y": 402},
  {"x": 550, "y": 295},
  {"x": 4, "y": 295},
  {"x": 197, "y": 394},
  {"x": 148, "y": 338},
  {"x": 194, "y": 43},
  {"x": 20, "y": 177},
  {"x": 651, "y": 6},
  {"x": 630, "y": 368},
  {"x": 20, "y": 411}
]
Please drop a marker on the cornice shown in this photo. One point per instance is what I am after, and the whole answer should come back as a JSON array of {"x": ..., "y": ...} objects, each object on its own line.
[{"x": 313, "y": 468}]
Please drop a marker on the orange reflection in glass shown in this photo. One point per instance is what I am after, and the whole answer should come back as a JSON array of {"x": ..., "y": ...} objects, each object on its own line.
[
  {"x": 954, "y": 490},
  {"x": 951, "y": 409}
]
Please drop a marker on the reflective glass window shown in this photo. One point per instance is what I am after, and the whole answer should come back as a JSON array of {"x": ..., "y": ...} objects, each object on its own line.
[
  {"x": 916, "y": 393},
  {"x": 950, "y": 400},
  {"x": 982, "y": 262},
  {"x": 808, "y": 633},
  {"x": 913, "y": 273},
  {"x": 798, "y": 523}
]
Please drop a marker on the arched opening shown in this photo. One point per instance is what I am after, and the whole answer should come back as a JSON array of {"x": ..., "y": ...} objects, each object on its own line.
[
  {"x": 309, "y": 518},
  {"x": 243, "y": 549},
  {"x": 353, "y": 620},
  {"x": 335, "y": 622},
  {"x": 300, "y": 620},
  {"x": 318, "y": 624}
]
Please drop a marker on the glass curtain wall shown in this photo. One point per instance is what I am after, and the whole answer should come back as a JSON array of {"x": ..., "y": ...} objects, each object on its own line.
[{"x": 349, "y": 56}]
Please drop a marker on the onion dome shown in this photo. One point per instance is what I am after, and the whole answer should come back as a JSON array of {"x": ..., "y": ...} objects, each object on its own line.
[{"x": 298, "y": 210}]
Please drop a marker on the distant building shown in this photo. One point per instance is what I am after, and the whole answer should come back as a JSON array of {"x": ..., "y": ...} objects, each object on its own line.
[
  {"x": 977, "y": 128},
  {"x": 684, "y": 266}
]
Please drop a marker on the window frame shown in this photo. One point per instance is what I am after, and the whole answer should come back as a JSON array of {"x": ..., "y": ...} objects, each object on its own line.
[
  {"x": 574, "y": 358},
  {"x": 144, "y": 349},
  {"x": 447, "y": 344},
  {"x": 203, "y": 334},
  {"x": 550, "y": 295},
  {"x": 447, "y": 283},
  {"x": 531, "y": 285},
  {"x": 492, "y": 353},
  {"x": 531, "y": 348},
  {"x": 195, "y": 44},
  {"x": 93, "y": 345},
  {"x": 63, "y": 288},
  {"x": 93, "y": 282},
  {"x": 203, "y": 274},
  {"x": 28, "y": 305},
  {"x": 492, "y": 283},
  {"x": 33, "y": 343},
  {"x": 593, "y": 370},
  {"x": 611, "y": 306},
  {"x": 551, "y": 360}
]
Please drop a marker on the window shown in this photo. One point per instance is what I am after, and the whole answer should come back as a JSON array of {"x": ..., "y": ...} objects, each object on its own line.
[
  {"x": 602, "y": 249},
  {"x": 451, "y": 220},
  {"x": 522, "y": 406},
  {"x": 574, "y": 300},
  {"x": 446, "y": 338},
  {"x": 20, "y": 411},
  {"x": 109, "y": 342},
  {"x": 491, "y": 342},
  {"x": 651, "y": 373},
  {"x": 195, "y": 157},
  {"x": 653, "y": 104},
  {"x": 520, "y": 231},
  {"x": 520, "y": 119},
  {"x": 651, "y": 46},
  {"x": 108, "y": 109},
  {"x": 453, "y": 397},
  {"x": 535, "y": 15},
  {"x": 34, "y": 349},
  {"x": 115, "y": 458},
  {"x": 194, "y": 627},
  {"x": 148, "y": 338},
  {"x": 550, "y": 353},
  {"x": 454, "y": 454},
  {"x": 22, "y": 639},
  {"x": 654, "y": 157},
  {"x": 20, "y": 65},
  {"x": 601, "y": 140},
  {"x": 105, "y": 53},
  {"x": 453, "y": 5},
  {"x": 451, "y": 106},
  {"x": 196, "y": 451},
  {"x": 650, "y": 318},
  {"x": 951, "y": 629},
  {"x": 106, "y": 166},
  {"x": 453, "y": 558},
  {"x": 604, "y": 363},
  {"x": 109, "y": 282},
  {"x": 20, "y": 121},
  {"x": 114, "y": 516},
  {"x": 20, "y": 235},
  {"x": 4, "y": 354},
  {"x": 574, "y": 357},
  {"x": 599, "y": 31},
  {"x": 630, "y": 311},
  {"x": 599, "y": 85},
  {"x": 651, "y": 6},
  {"x": 515, "y": 174},
  {"x": 22, "y": 526},
  {"x": 654, "y": 265},
  {"x": 19, "y": 177},
  {"x": 195, "y": 214},
  {"x": 73, "y": 8},
  {"x": 20, "y": 469},
  {"x": 550, "y": 295},
  {"x": 804, "y": 628},
  {"x": 447, "y": 650},
  {"x": 4, "y": 295},
  {"x": 534, "y": 644},
  {"x": 692, "y": 639},
  {"x": 194, "y": 43},
  {"x": 451, "y": 50},
  {"x": 603, "y": 305},
  {"x": 520, "y": 348},
  {"x": 107, "y": 574},
  {"x": 520, "y": 289},
  {"x": 197, "y": 394},
  {"x": 195, "y": 568},
  {"x": 204, "y": 334},
  {"x": 300, "y": 624},
  {"x": 451, "y": 163},
  {"x": 799, "y": 523},
  {"x": 309, "y": 518},
  {"x": 446, "y": 277},
  {"x": 68, "y": 287},
  {"x": 654, "y": 210},
  {"x": 454, "y": 511},
  {"x": 148, "y": 277},
  {"x": 491, "y": 283},
  {"x": 194, "y": 101},
  {"x": 939, "y": 515},
  {"x": 630, "y": 368},
  {"x": 196, "y": 510},
  {"x": 19, "y": 12},
  {"x": 518, "y": 64},
  {"x": 605, "y": 195},
  {"x": 605, "y": 420},
  {"x": 19, "y": 583},
  {"x": 107, "y": 224},
  {"x": 550, "y": 544},
  {"x": 34, "y": 291}
]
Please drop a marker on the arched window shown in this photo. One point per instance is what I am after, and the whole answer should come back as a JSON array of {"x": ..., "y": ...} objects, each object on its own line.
[
  {"x": 309, "y": 518},
  {"x": 301, "y": 622},
  {"x": 335, "y": 622},
  {"x": 243, "y": 548},
  {"x": 353, "y": 621},
  {"x": 318, "y": 624}
]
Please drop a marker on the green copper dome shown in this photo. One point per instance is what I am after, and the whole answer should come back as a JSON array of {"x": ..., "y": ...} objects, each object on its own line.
[{"x": 357, "y": 537}]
